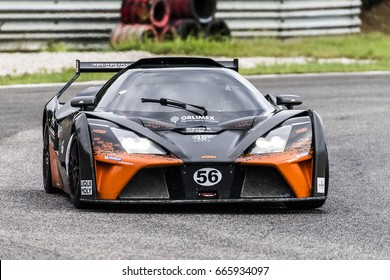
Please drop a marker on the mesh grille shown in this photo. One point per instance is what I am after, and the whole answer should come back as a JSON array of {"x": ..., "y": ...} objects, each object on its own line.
[
  {"x": 264, "y": 182},
  {"x": 147, "y": 184}
]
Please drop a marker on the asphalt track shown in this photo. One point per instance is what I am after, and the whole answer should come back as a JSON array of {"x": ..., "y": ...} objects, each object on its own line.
[{"x": 354, "y": 223}]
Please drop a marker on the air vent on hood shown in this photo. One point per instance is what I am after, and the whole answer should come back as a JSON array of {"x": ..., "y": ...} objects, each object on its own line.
[
  {"x": 241, "y": 123},
  {"x": 155, "y": 125}
]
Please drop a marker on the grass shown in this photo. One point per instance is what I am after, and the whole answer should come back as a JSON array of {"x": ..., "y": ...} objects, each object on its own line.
[
  {"x": 358, "y": 46},
  {"x": 61, "y": 77},
  {"x": 314, "y": 67},
  {"x": 374, "y": 46}
]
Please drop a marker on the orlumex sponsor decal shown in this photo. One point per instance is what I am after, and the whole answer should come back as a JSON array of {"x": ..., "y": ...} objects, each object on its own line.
[{"x": 186, "y": 119}]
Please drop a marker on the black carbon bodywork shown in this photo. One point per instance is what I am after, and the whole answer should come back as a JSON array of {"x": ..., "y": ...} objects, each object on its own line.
[
  {"x": 320, "y": 155},
  {"x": 87, "y": 170},
  {"x": 176, "y": 186}
]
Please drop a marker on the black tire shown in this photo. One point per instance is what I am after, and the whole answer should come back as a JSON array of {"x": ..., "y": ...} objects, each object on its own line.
[
  {"x": 74, "y": 174},
  {"x": 188, "y": 28},
  {"x": 217, "y": 30},
  {"x": 46, "y": 170}
]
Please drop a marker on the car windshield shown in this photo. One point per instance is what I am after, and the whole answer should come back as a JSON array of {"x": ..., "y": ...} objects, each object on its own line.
[{"x": 223, "y": 93}]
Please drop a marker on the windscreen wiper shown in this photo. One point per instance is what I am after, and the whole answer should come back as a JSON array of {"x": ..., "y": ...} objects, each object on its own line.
[{"x": 176, "y": 104}]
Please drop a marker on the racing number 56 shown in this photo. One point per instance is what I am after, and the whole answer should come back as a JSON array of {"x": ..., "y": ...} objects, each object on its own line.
[{"x": 207, "y": 176}]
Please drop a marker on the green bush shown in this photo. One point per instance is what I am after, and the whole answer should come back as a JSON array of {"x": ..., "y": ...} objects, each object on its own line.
[{"x": 367, "y": 4}]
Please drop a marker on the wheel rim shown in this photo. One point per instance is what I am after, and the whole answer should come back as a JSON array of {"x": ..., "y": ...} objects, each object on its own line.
[{"x": 74, "y": 169}]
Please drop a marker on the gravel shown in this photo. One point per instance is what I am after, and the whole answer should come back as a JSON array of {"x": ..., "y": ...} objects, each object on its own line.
[{"x": 48, "y": 62}]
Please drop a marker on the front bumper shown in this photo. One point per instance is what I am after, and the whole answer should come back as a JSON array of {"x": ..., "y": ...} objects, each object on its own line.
[{"x": 204, "y": 201}]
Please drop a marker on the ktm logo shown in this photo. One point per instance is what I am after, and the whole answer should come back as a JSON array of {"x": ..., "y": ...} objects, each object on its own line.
[
  {"x": 99, "y": 131},
  {"x": 302, "y": 130}
]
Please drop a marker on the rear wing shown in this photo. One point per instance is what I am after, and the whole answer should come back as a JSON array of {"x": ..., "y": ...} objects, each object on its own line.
[
  {"x": 155, "y": 62},
  {"x": 101, "y": 67},
  {"x": 107, "y": 67}
]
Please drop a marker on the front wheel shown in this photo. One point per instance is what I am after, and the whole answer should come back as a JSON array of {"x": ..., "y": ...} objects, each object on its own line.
[
  {"x": 46, "y": 166},
  {"x": 74, "y": 173}
]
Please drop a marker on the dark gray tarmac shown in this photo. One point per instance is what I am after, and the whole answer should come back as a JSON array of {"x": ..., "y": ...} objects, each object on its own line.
[{"x": 354, "y": 223}]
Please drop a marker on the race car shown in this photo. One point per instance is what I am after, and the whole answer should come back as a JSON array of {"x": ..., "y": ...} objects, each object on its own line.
[{"x": 182, "y": 130}]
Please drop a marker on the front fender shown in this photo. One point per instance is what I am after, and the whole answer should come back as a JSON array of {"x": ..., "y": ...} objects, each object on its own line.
[
  {"x": 87, "y": 170},
  {"x": 320, "y": 157}
]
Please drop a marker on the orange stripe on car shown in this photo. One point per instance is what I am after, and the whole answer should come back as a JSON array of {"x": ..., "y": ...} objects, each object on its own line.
[
  {"x": 113, "y": 172},
  {"x": 296, "y": 169}
]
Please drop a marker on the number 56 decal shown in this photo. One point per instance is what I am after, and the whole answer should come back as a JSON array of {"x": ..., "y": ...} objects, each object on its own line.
[{"x": 207, "y": 177}]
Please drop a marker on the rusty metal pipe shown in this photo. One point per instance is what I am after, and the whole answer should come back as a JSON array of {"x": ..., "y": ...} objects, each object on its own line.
[
  {"x": 201, "y": 10},
  {"x": 156, "y": 12},
  {"x": 128, "y": 32}
]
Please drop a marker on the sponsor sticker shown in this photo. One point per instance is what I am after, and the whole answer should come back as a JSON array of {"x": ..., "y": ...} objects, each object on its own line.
[
  {"x": 202, "y": 138},
  {"x": 320, "y": 185},
  {"x": 198, "y": 119},
  {"x": 99, "y": 131},
  {"x": 185, "y": 119},
  {"x": 198, "y": 130},
  {"x": 208, "y": 157},
  {"x": 175, "y": 119},
  {"x": 301, "y": 130},
  {"x": 62, "y": 146},
  {"x": 86, "y": 187},
  {"x": 113, "y": 158}
]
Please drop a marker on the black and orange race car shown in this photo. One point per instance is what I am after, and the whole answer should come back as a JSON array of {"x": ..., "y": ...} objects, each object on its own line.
[{"x": 182, "y": 130}]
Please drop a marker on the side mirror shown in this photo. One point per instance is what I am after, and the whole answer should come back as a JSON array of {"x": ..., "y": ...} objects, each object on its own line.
[
  {"x": 82, "y": 101},
  {"x": 271, "y": 99},
  {"x": 288, "y": 100}
]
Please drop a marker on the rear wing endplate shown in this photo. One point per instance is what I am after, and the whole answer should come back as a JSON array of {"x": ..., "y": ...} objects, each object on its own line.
[{"x": 231, "y": 64}]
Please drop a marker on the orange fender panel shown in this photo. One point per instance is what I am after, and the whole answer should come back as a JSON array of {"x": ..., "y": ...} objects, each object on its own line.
[
  {"x": 112, "y": 175},
  {"x": 295, "y": 169}
]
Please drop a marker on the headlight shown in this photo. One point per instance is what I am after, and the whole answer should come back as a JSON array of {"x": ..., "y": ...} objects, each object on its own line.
[
  {"x": 296, "y": 136},
  {"x": 274, "y": 142},
  {"x": 134, "y": 144}
]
